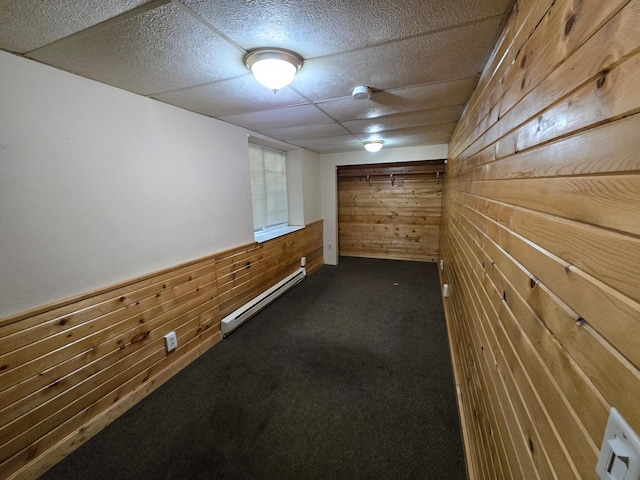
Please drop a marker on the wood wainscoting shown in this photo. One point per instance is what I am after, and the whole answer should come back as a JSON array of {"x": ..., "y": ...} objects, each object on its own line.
[
  {"x": 390, "y": 210},
  {"x": 541, "y": 241},
  {"x": 69, "y": 369}
]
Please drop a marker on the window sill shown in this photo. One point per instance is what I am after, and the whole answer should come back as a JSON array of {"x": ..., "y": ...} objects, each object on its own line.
[{"x": 263, "y": 237}]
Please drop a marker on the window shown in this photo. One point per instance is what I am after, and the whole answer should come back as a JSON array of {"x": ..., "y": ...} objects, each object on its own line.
[{"x": 268, "y": 189}]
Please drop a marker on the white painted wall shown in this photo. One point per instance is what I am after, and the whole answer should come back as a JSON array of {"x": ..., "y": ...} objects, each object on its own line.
[
  {"x": 98, "y": 185},
  {"x": 328, "y": 165},
  {"x": 312, "y": 193},
  {"x": 303, "y": 187},
  {"x": 295, "y": 190}
]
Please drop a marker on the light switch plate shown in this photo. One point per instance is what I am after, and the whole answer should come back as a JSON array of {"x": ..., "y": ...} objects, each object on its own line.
[{"x": 620, "y": 452}]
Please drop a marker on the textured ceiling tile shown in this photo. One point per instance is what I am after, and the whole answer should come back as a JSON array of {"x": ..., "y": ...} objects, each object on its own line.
[
  {"x": 403, "y": 120},
  {"x": 336, "y": 148},
  {"x": 231, "y": 97},
  {"x": 279, "y": 118},
  {"x": 333, "y": 140},
  {"x": 415, "y": 135},
  {"x": 159, "y": 50},
  {"x": 434, "y": 95},
  {"x": 308, "y": 131},
  {"x": 450, "y": 54},
  {"x": 417, "y": 138},
  {"x": 29, "y": 24},
  {"x": 314, "y": 28}
]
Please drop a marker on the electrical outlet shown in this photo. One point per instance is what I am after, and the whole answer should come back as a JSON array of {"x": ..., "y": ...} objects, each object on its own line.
[
  {"x": 170, "y": 341},
  {"x": 620, "y": 452}
]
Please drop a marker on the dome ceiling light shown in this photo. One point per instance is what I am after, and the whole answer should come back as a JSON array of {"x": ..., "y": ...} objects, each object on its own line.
[
  {"x": 274, "y": 68},
  {"x": 373, "y": 145}
]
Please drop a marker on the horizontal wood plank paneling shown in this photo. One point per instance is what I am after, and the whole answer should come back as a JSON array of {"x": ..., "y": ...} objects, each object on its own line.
[
  {"x": 69, "y": 369},
  {"x": 390, "y": 211},
  {"x": 541, "y": 241}
]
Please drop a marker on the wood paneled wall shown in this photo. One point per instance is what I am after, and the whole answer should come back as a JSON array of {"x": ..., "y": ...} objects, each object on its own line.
[
  {"x": 68, "y": 370},
  {"x": 390, "y": 210},
  {"x": 541, "y": 241}
]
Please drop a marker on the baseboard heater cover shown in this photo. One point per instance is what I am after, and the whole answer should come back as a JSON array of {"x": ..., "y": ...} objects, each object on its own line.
[{"x": 241, "y": 315}]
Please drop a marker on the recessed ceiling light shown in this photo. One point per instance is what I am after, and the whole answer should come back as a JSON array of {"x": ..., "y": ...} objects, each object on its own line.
[
  {"x": 274, "y": 68},
  {"x": 373, "y": 145}
]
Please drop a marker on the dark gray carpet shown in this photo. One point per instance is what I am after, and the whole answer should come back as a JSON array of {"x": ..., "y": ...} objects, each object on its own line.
[{"x": 347, "y": 376}]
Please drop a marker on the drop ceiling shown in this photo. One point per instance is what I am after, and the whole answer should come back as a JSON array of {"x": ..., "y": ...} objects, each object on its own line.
[{"x": 421, "y": 58}]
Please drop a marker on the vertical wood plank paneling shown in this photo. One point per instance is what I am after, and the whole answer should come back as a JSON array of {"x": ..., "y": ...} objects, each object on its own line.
[
  {"x": 390, "y": 211},
  {"x": 69, "y": 369},
  {"x": 541, "y": 241}
]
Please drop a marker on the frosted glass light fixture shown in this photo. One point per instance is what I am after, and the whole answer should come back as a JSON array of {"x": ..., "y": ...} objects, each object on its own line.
[
  {"x": 273, "y": 68},
  {"x": 373, "y": 145}
]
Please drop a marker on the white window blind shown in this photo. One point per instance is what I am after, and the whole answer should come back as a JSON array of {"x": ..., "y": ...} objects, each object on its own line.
[{"x": 268, "y": 187}]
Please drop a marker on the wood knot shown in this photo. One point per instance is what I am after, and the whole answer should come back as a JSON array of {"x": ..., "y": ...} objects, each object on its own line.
[
  {"x": 532, "y": 282},
  {"x": 530, "y": 445},
  {"x": 504, "y": 296},
  {"x": 523, "y": 62},
  {"x": 3, "y": 367},
  {"x": 580, "y": 322},
  {"x": 603, "y": 78},
  {"x": 568, "y": 26},
  {"x": 62, "y": 322},
  {"x": 140, "y": 337},
  {"x": 121, "y": 299}
]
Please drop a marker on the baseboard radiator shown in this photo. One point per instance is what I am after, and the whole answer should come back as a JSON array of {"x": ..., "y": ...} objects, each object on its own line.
[{"x": 237, "y": 318}]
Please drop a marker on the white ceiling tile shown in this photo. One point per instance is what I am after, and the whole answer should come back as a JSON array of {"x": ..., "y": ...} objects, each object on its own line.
[
  {"x": 410, "y": 99},
  {"x": 231, "y": 97},
  {"x": 161, "y": 49},
  {"x": 279, "y": 118},
  {"x": 306, "y": 131},
  {"x": 445, "y": 55},
  {"x": 29, "y": 24},
  {"x": 428, "y": 135},
  {"x": 331, "y": 140},
  {"x": 403, "y": 120},
  {"x": 314, "y": 28}
]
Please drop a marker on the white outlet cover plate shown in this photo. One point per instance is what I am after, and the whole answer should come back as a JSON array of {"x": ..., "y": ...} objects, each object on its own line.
[
  {"x": 170, "y": 341},
  {"x": 619, "y": 430}
]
